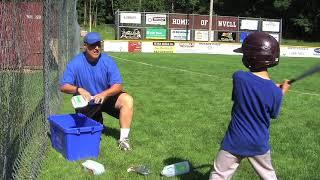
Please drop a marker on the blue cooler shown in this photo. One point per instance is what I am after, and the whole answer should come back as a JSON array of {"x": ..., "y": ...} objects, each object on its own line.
[{"x": 75, "y": 136}]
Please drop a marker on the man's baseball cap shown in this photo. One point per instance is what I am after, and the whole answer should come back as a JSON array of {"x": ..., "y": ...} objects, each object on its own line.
[{"x": 92, "y": 37}]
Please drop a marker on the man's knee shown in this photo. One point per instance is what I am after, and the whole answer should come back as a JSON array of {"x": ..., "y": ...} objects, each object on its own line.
[{"x": 126, "y": 100}]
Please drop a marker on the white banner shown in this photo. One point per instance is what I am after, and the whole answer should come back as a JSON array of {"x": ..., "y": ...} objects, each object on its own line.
[
  {"x": 205, "y": 48},
  {"x": 147, "y": 47},
  {"x": 156, "y": 19},
  {"x": 271, "y": 26},
  {"x": 216, "y": 48},
  {"x": 296, "y": 51},
  {"x": 115, "y": 46},
  {"x": 131, "y": 18},
  {"x": 185, "y": 47},
  {"x": 180, "y": 34},
  {"x": 249, "y": 24},
  {"x": 203, "y": 35}
]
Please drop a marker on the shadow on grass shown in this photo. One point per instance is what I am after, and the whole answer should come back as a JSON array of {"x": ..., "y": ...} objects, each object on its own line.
[
  {"x": 112, "y": 132},
  {"x": 49, "y": 135},
  {"x": 194, "y": 172}
]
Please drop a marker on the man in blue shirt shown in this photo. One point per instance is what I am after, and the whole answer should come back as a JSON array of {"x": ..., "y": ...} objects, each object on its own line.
[
  {"x": 96, "y": 77},
  {"x": 256, "y": 99}
]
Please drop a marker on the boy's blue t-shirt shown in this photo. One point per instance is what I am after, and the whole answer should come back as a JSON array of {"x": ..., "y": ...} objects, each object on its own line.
[
  {"x": 256, "y": 101},
  {"x": 93, "y": 77}
]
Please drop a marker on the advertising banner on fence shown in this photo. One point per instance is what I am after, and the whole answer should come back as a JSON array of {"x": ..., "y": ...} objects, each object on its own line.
[
  {"x": 209, "y": 47},
  {"x": 185, "y": 47},
  {"x": 130, "y": 18},
  {"x": 296, "y": 51},
  {"x": 180, "y": 34},
  {"x": 227, "y": 36},
  {"x": 130, "y": 33},
  {"x": 201, "y": 35},
  {"x": 227, "y": 23},
  {"x": 180, "y": 21},
  {"x": 199, "y": 47},
  {"x": 271, "y": 26},
  {"x": 156, "y": 33},
  {"x": 248, "y": 24},
  {"x": 156, "y": 19},
  {"x": 147, "y": 47},
  {"x": 134, "y": 46},
  {"x": 115, "y": 46},
  {"x": 315, "y": 52},
  {"x": 215, "y": 48},
  {"x": 202, "y": 22},
  {"x": 164, "y": 47}
]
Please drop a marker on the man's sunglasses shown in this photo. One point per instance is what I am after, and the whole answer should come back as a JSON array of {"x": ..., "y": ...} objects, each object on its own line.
[{"x": 96, "y": 44}]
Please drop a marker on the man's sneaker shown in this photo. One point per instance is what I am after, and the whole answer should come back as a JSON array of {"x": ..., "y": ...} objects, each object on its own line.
[{"x": 124, "y": 145}]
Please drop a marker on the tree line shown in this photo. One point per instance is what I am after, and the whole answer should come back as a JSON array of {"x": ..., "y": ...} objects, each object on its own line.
[{"x": 301, "y": 18}]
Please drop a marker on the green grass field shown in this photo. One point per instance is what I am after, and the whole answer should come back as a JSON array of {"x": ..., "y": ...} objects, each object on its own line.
[
  {"x": 182, "y": 110},
  {"x": 107, "y": 31}
]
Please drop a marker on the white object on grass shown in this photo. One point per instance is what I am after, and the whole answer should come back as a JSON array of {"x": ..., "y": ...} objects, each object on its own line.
[
  {"x": 176, "y": 169},
  {"x": 79, "y": 101},
  {"x": 93, "y": 166}
]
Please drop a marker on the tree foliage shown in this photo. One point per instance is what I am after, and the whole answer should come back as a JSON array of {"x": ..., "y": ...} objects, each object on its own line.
[{"x": 301, "y": 18}]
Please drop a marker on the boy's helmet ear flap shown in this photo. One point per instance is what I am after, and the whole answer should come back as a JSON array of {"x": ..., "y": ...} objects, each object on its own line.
[{"x": 245, "y": 62}]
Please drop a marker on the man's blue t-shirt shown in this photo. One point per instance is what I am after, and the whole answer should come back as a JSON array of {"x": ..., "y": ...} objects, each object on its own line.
[
  {"x": 93, "y": 77},
  {"x": 256, "y": 101}
]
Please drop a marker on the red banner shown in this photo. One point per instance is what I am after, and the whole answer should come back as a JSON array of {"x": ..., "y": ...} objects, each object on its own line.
[
  {"x": 134, "y": 46},
  {"x": 202, "y": 22},
  {"x": 227, "y": 23},
  {"x": 180, "y": 21}
]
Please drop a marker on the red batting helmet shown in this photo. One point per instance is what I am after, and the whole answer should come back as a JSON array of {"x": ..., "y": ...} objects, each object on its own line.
[{"x": 260, "y": 51}]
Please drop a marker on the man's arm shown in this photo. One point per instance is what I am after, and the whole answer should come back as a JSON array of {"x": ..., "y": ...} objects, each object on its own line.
[
  {"x": 71, "y": 89},
  {"x": 113, "y": 90}
]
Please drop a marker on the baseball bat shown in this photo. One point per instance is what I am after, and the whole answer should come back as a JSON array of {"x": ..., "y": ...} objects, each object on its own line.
[{"x": 307, "y": 73}]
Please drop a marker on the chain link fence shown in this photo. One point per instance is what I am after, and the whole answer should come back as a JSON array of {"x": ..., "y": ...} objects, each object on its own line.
[{"x": 36, "y": 40}]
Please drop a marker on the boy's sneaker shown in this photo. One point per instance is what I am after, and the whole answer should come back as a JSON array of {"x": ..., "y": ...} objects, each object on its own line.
[{"x": 124, "y": 145}]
